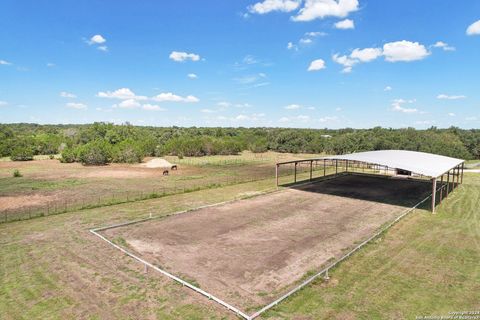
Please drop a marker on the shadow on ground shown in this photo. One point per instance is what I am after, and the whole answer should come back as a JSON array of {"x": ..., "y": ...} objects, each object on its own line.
[{"x": 389, "y": 190}]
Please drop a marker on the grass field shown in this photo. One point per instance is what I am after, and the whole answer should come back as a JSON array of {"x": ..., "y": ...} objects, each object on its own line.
[
  {"x": 53, "y": 268},
  {"x": 50, "y": 186}
]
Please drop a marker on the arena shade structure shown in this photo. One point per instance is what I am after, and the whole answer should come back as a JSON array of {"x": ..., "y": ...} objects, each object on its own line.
[{"x": 401, "y": 162}]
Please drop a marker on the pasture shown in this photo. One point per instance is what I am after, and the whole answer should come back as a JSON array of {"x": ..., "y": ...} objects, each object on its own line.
[
  {"x": 53, "y": 268},
  {"x": 48, "y": 186}
]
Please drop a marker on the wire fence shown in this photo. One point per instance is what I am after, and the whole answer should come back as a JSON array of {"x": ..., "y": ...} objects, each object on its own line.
[
  {"x": 59, "y": 206},
  {"x": 68, "y": 202}
]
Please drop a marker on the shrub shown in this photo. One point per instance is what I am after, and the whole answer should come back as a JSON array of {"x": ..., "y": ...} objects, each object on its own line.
[
  {"x": 128, "y": 151},
  {"x": 69, "y": 155},
  {"x": 97, "y": 152},
  {"x": 17, "y": 174},
  {"x": 51, "y": 157},
  {"x": 261, "y": 145},
  {"x": 21, "y": 154}
]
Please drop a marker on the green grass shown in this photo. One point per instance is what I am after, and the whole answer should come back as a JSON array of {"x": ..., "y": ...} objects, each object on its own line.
[
  {"x": 23, "y": 184},
  {"x": 425, "y": 265},
  {"x": 53, "y": 268}
]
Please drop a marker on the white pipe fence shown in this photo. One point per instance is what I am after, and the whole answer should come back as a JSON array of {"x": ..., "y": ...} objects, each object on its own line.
[{"x": 277, "y": 301}]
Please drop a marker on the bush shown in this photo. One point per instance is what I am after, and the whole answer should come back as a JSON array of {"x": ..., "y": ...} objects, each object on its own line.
[
  {"x": 95, "y": 153},
  {"x": 51, "y": 157},
  {"x": 69, "y": 155},
  {"x": 128, "y": 152},
  {"x": 17, "y": 174},
  {"x": 21, "y": 154},
  {"x": 261, "y": 145}
]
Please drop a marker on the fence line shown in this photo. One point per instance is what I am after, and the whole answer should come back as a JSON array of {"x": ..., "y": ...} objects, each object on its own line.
[
  {"x": 334, "y": 264},
  {"x": 114, "y": 198},
  {"x": 177, "y": 279},
  {"x": 283, "y": 297}
]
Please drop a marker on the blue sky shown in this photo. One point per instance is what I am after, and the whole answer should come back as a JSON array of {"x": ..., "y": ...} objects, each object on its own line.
[{"x": 288, "y": 63}]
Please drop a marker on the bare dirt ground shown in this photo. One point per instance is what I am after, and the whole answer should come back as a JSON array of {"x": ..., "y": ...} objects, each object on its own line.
[
  {"x": 248, "y": 252},
  {"x": 49, "y": 183}
]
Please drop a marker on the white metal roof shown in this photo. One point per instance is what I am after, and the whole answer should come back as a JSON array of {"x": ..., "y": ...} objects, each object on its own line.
[{"x": 427, "y": 164}]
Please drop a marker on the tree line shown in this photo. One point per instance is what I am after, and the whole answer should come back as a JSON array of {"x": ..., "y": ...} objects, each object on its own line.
[{"x": 101, "y": 143}]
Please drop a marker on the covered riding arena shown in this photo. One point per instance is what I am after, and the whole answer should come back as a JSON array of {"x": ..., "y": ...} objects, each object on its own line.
[
  {"x": 444, "y": 173},
  {"x": 249, "y": 255}
]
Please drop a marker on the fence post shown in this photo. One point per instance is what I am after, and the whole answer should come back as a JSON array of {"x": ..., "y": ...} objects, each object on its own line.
[
  {"x": 295, "y": 174},
  {"x": 311, "y": 164},
  {"x": 276, "y": 174}
]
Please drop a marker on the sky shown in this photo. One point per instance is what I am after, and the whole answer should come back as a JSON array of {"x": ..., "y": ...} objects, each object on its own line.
[{"x": 242, "y": 63}]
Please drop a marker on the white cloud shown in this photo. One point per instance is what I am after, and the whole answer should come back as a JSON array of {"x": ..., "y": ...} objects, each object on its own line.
[
  {"x": 64, "y": 94},
  {"x": 397, "y": 106},
  {"x": 291, "y": 46},
  {"x": 248, "y": 79},
  {"x": 179, "y": 56},
  {"x": 97, "y": 39},
  {"x": 447, "y": 97},
  {"x": 242, "y": 117},
  {"x": 51, "y": 65},
  {"x": 473, "y": 118},
  {"x": 444, "y": 46},
  {"x": 75, "y": 105},
  {"x": 102, "y": 48},
  {"x": 305, "y": 41},
  {"x": 392, "y": 51},
  {"x": 208, "y": 111},
  {"x": 315, "y": 9},
  {"x": 345, "y": 24},
  {"x": 243, "y": 105},
  {"x": 303, "y": 118},
  {"x": 4, "y": 63},
  {"x": 345, "y": 61},
  {"x": 292, "y": 107},
  {"x": 192, "y": 76},
  {"x": 122, "y": 93},
  {"x": 366, "y": 55},
  {"x": 170, "y": 97},
  {"x": 152, "y": 107},
  {"x": 404, "y": 51},
  {"x": 451, "y": 114},
  {"x": 387, "y": 88},
  {"x": 474, "y": 28},
  {"x": 284, "y": 120},
  {"x": 274, "y": 5},
  {"x": 3, "y": 103},
  {"x": 327, "y": 119},
  {"x": 223, "y": 104},
  {"x": 314, "y": 34},
  {"x": 249, "y": 59},
  {"x": 316, "y": 65},
  {"x": 425, "y": 122},
  {"x": 261, "y": 84},
  {"x": 128, "y": 104}
]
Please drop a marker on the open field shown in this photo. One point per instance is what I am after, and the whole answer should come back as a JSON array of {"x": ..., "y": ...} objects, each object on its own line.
[
  {"x": 250, "y": 251},
  {"x": 51, "y": 186},
  {"x": 53, "y": 268}
]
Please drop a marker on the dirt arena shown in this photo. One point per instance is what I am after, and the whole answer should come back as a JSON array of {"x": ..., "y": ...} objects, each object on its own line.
[{"x": 251, "y": 251}]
